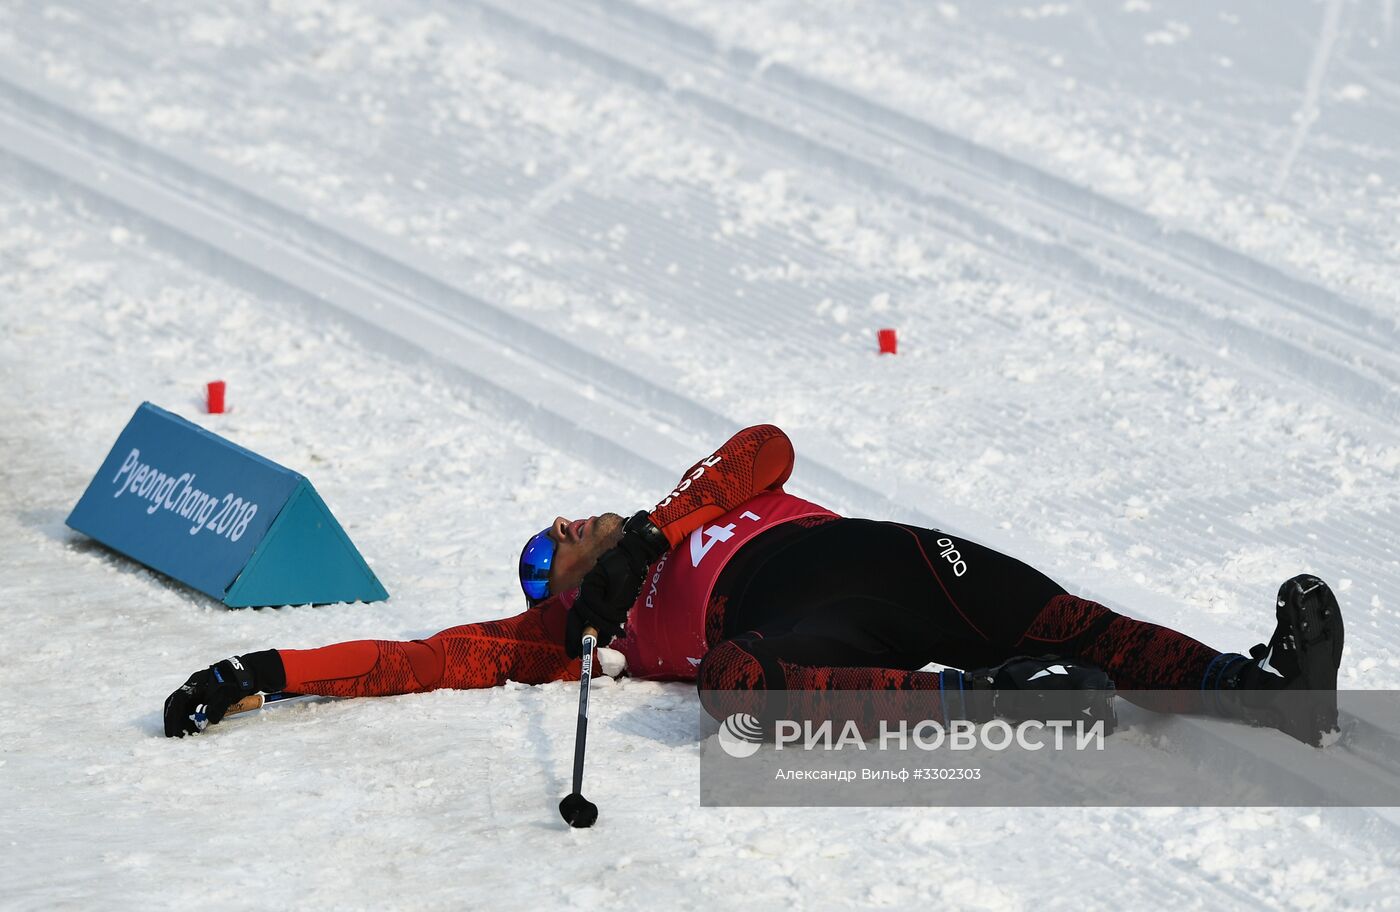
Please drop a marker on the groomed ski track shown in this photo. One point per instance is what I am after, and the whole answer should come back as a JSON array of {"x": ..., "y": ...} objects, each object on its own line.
[{"x": 1281, "y": 331}]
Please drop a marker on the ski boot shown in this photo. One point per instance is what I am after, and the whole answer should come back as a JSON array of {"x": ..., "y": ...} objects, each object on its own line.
[
  {"x": 1290, "y": 683},
  {"x": 1045, "y": 689}
]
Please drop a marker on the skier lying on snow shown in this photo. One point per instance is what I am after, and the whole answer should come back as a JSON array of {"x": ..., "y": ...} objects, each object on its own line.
[{"x": 740, "y": 586}]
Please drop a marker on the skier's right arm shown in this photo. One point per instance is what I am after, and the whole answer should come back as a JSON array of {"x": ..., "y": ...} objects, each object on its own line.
[
  {"x": 524, "y": 648},
  {"x": 206, "y": 695}
]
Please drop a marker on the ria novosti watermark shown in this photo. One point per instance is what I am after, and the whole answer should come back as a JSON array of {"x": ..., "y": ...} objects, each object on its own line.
[
  {"x": 882, "y": 749},
  {"x": 741, "y": 735}
]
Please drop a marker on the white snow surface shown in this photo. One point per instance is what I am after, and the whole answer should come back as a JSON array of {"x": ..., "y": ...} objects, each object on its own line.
[{"x": 1143, "y": 259}]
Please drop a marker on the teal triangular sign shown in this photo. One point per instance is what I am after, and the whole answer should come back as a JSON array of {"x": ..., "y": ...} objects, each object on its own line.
[{"x": 305, "y": 558}]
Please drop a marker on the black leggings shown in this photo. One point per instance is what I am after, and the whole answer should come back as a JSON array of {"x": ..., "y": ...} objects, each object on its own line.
[
  {"x": 856, "y": 604},
  {"x": 862, "y": 592}
]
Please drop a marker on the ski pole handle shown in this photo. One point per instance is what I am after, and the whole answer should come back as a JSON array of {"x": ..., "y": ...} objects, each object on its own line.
[
  {"x": 245, "y": 705},
  {"x": 256, "y": 701}
]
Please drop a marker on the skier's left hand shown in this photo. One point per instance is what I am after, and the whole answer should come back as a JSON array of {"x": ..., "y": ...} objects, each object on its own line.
[{"x": 609, "y": 589}]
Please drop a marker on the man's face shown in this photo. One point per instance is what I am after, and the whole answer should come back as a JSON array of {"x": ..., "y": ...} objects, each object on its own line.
[{"x": 577, "y": 546}]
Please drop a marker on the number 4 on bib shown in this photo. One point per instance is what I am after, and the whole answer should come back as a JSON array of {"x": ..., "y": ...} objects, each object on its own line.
[{"x": 706, "y": 537}]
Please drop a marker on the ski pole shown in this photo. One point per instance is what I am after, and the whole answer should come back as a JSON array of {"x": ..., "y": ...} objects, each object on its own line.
[
  {"x": 577, "y": 810},
  {"x": 246, "y": 705},
  {"x": 258, "y": 701}
]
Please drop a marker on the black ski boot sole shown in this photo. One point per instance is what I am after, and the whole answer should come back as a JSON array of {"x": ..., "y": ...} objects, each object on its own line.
[{"x": 1312, "y": 619}]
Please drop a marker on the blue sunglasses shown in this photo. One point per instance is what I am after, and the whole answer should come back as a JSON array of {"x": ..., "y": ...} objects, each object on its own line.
[{"x": 535, "y": 560}]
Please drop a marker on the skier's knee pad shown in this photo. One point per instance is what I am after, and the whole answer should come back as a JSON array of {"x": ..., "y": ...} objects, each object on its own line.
[
  {"x": 733, "y": 678},
  {"x": 1068, "y": 617}
]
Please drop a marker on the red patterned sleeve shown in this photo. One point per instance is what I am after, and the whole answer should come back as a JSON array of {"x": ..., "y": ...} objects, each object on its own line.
[
  {"x": 756, "y": 459},
  {"x": 526, "y": 648}
]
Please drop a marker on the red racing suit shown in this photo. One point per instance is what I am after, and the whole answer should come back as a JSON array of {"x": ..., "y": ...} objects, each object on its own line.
[
  {"x": 826, "y": 604},
  {"x": 721, "y": 503}
]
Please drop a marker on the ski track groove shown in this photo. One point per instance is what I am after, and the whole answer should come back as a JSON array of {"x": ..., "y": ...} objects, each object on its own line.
[
  {"x": 384, "y": 270},
  {"x": 1307, "y": 298},
  {"x": 208, "y": 187},
  {"x": 1126, "y": 234}
]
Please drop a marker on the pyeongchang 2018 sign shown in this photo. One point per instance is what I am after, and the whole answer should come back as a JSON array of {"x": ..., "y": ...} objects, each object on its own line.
[
  {"x": 226, "y": 516},
  {"x": 220, "y": 518}
]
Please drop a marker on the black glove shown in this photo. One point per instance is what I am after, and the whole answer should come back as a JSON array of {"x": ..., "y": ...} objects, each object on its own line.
[
  {"x": 610, "y": 588},
  {"x": 204, "y": 699}
]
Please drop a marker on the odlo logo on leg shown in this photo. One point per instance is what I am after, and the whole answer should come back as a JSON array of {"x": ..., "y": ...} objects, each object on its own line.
[{"x": 951, "y": 555}]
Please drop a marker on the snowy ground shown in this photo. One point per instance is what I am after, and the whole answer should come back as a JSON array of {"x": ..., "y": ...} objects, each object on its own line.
[{"x": 1144, "y": 263}]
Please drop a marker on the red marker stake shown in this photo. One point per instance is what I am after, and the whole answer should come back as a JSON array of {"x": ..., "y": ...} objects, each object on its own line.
[
  {"x": 888, "y": 343},
  {"x": 216, "y": 397}
]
